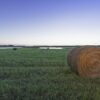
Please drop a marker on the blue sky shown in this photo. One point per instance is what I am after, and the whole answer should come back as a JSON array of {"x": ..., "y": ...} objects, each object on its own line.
[{"x": 50, "y": 22}]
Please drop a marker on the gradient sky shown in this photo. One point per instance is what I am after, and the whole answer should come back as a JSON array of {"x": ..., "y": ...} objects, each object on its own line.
[{"x": 50, "y": 22}]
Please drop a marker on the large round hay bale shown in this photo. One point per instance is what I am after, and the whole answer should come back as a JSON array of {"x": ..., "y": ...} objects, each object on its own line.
[{"x": 85, "y": 61}]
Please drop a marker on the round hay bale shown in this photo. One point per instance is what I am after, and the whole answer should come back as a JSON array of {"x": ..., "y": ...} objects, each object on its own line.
[{"x": 85, "y": 61}]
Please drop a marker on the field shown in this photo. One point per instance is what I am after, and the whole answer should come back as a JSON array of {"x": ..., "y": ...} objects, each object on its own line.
[{"x": 34, "y": 74}]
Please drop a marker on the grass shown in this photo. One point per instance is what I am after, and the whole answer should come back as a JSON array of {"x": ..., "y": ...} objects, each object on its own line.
[
  {"x": 32, "y": 57},
  {"x": 33, "y": 74}
]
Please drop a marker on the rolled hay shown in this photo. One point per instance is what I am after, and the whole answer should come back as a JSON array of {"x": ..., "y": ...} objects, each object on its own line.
[{"x": 85, "y": 61}]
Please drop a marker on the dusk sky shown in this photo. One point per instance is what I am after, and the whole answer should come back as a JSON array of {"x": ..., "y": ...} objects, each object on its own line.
[{"x": 50, "y": 22}]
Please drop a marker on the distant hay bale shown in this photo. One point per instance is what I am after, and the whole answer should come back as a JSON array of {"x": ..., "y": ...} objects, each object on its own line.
[
  {"x": 85, "y": 61},
  {"x": 14, "y": 48}
]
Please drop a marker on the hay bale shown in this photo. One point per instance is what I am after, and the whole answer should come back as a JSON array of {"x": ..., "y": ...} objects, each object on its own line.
[{"x": 85, "y": 61}]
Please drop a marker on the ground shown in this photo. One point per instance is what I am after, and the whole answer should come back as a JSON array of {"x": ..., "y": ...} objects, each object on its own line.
[{"x": 34, "y": 74}]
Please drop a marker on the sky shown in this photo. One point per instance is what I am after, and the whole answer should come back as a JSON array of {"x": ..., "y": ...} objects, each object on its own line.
[{"x": 50, "y": 22}]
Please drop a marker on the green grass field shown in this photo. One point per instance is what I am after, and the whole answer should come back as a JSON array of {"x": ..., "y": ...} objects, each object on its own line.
[{"x": 34, "y": 74}]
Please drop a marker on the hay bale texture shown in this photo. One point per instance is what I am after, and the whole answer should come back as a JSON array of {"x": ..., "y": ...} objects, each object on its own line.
[{"x": 85, "y": 61}]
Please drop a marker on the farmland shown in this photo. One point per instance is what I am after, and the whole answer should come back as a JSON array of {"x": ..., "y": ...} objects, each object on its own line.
[{"x": 35, "y": 74}]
